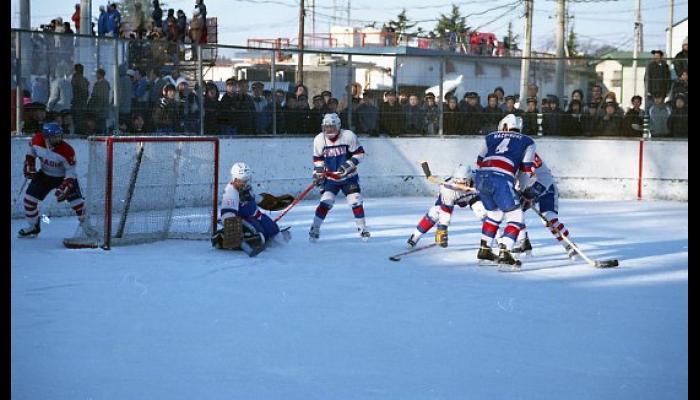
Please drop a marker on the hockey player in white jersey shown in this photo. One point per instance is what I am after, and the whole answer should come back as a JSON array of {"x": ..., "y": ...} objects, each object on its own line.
[
  {"x": 337, "y": 151},
  {"x": 244, "y": 226},
  {"x": 541, "y": 189},
  {"x": 441, "y": 212},
  {"x": 57, "y": 171}
]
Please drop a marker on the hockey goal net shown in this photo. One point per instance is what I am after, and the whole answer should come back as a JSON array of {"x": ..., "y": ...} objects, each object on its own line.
[{"x": 146, "y": 188}]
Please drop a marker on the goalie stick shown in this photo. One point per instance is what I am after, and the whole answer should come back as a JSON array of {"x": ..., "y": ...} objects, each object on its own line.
[
  {"x": 594, "y": 263},
  {"x": 437, "y": 180},
  {"x": 397, "y": 257}
]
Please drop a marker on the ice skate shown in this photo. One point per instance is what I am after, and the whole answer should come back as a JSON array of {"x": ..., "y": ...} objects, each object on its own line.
[
  {"x": 314, "y": 233},
  {"x": 506, "y": 261},
  {"x": 486, "y": 255},
  {"x": 523, "y": 247},
  {"x": 30, "y": 231}
]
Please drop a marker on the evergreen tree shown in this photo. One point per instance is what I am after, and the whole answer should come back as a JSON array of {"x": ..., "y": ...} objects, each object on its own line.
[
  {"x": 511, "y": 41},
  {"x": 126, "y": 9},
  {"x": 402, "y": 25},
  {"x": 571, "y": 43},
  {"x": 455, "y": 22}
]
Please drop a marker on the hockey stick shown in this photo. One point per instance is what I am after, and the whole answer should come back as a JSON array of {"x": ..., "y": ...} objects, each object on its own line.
[
  {"x": 130, "y": 190},
  {"x": 19, "y": 195},
  {"x": 594, "y": 263},
  {"x": 437, "y": 180},
  {"x": 303, "y": 194},
  {"x": 397, "y": 257}
]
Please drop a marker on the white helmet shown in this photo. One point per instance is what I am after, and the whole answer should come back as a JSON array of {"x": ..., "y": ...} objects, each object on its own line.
[
  {"x": 513, "y": 122},
  {"x": 241, "y": 171},
  {"x": 331, "y": 119},
  {"x": 462, "y": 173}
]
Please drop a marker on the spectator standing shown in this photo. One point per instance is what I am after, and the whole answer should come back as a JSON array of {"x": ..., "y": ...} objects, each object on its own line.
[
  {"x": 139, "y": 92},
  {"x": 80, "y": 94},
  {"x": 577, "y": 94},
  {"x": 138, "y": 22},
  {"x": 530, "y": 126},
  {"x": 99, "y": 101},
  {"x": 76, "y": 18},
  {"x": 228, "y": 108},
  {"x": 657, "y": 78},
  {"x": 189, "y": 106},
  {"x": 553, "y": 121},
  {"x": 500, "y": 96},
  {"x": 391, "y": 117},
  {"x": 573, "y": 124},
  {"x": 368, "y": 115},
  {"x": 211, "y": 110},
  {"x": 102, "y": 22},
  {"x": 510, "y": 107},
  {"x": 262, "y": 119},
  {"x": 166, "y": 115},
  {"x": 61, "y": 92},
  {"x": 199, "y": 5},
  {"x": 156, "y": 87},
  {"x": 678, "y": 120},
  {"x": 680, "y": 86},
  {"x": 181, "y": 26},
  {"x": 633, "y": 121},
  {"x": 610, "y": 124},
  {"x": 431, "y": 122},
  {"x": 196, "y": 31},
  {"x": 452, "y": 120},
  {"x": 414, "y": 116},
  {"x": 492, "y": 114},
  {"x": 157, "y": 15},
  {"x": 40, "y": 90},
  {"x": 597, "y": 98},
  {"x": 658, "y": 117},
  {"x": 589, "y": 121},
  {"x": 316, "y": 113},
  {"x": 680, "y": 61},
  {"x": 114, "y": 21},
  {"x": 472, "y": 114}
]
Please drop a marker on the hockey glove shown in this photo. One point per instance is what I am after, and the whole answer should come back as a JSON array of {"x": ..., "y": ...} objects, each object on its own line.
[
  {"x": 346, "y": 168},
  {"x": 272, "y": 203},
  {"x": 29, "y": 167},
  {"x": 319, "y": 176},
  {"x": 64, "y": 189},
  {"x": 533, "y": 192},
  {"x": 441, "y": 236}
]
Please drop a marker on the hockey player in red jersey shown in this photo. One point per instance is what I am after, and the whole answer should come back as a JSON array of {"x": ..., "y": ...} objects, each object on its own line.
[
  {"x": 57, "y": 171},
  {"x": 441, "y": 212}
]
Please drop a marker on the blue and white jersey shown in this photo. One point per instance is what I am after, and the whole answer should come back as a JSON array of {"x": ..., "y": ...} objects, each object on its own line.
[
  {"x": 233, "y": 204},
  {"x": 506, "y": 153},
  {"x": 333, "y": 154}
]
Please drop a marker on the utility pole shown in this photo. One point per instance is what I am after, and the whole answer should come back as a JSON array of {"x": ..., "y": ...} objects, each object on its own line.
[
  {"x": 525, "y": 62},
  {"x": 313, "y": 18},
  {"x": 637, "y": 44},
  {"x": 25, "y": 15},
  {"x": 348, "y": 12},
  {"x": 559, "y": 70},
  {"x": 300, "y": 58},
  {"x": 85, "y": 17},
  {"x": 669, "y": 34}
]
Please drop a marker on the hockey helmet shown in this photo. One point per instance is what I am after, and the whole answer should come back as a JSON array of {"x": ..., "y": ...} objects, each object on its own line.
[
  {"x": 52, "y": 132},
  {"x": 331, "y": 119},
  {"x": 512, "y": 121},
  {"x": 241, "y": 171},
  {"x": 462, "y": 174}
]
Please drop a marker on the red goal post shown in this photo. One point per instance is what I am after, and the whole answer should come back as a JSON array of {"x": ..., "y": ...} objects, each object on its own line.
[{"x": 146, "y": 188}]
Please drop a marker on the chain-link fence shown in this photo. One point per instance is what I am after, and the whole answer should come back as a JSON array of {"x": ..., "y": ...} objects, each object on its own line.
[{"x": 421, "y": 87}]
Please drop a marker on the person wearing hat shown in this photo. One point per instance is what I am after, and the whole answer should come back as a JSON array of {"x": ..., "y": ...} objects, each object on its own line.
[
  {"x": 432, "y": 116},
  {"x": 260, "y": 103},
  {"x": 139, "y": 91},
  {"x": 166, "y": 115},
  {"x": 657, "y": 78},
  {"x": 99, "y": 100},
  {"x": 391, "y": 115},
  {"x": 492, "y": 114},
  {"x": 680, "y": 85},
  {"x": 510, "y": 107},
  {"x": 197, "y": 28},
  {"x": 678, "y": 120},
  {"x": 680, "y": 61},
  {"x": 473, "y": 113},
  {"x": 188, "y": 102},
  {"x": 368, "y": 115}
]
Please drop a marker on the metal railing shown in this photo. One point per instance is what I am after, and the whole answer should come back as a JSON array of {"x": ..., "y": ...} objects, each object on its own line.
[{"x": 376, "y": 90}]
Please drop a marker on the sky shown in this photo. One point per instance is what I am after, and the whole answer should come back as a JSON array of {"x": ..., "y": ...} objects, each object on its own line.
[{"x": 279, "y": 18}]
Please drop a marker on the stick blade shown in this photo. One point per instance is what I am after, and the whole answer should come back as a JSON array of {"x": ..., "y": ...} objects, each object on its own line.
[
  {"x": 426, "y": 168},
  {"x": 607, "y": 264},
  {"x": 394, "y": 258}
]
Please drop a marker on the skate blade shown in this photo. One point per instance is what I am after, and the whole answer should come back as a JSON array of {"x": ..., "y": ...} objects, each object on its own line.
[
  {"x": 508, "y": 268},
  {"x": 486, "y": 263},
  {"x": 30, "y": 236}
]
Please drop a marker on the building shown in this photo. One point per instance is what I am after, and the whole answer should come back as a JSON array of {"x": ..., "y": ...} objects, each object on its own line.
[
  {"x": 678, "y": 34},
  {"x": 617, "y": 75}
]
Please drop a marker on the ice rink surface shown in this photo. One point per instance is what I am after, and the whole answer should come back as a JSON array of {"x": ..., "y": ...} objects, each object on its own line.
[{"x": 338, "y": 320}]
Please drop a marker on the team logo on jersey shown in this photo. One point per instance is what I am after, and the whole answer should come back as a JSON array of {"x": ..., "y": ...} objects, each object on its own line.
[
  {"x": 335, "y": 151},
  {"x": 538, "y": 161}
]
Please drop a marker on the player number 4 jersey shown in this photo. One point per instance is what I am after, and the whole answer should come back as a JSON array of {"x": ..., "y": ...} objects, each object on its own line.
[{"x": 507, "y": 153}]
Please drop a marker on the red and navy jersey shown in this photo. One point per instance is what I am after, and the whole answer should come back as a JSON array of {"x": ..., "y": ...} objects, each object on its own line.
[
  {"x": 333, "y": 154},
  {"x": 58, "y": 161},
  {"x": 507, "y": 153}
]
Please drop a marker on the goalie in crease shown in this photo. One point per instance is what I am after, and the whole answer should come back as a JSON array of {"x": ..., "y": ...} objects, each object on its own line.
[
  {"x": 244, "y": 226},
  {"x": 57, "y": 159}
]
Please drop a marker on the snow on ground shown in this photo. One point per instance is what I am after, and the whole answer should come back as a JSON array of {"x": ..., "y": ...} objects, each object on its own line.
[{"x": 338, "y": 320}]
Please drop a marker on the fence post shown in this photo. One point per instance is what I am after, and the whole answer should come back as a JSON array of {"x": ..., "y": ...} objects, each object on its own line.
[
  {"x": 18, "y": 86},
  {"x": 116, "y": 85},
  {"x": 349, "y": 91},
  {"x": 539, "y": 124},
  {"x": 274, "y": 95},
  {"x": 441, "y": 96},
  {"x": 202, "y": 89}
]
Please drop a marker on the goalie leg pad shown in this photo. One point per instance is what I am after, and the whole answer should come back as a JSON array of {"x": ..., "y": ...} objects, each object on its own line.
[
  {"x": 266, "y": 226},
  {"x": 233, "y": 233}
]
